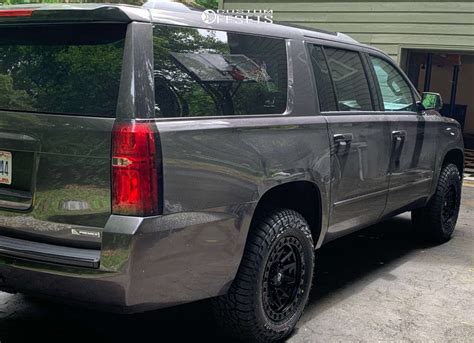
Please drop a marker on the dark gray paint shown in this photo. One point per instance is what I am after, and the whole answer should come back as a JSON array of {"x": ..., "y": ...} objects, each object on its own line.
[
  {"x": 71, "y": 162},
  {"x": 216, "y": 169},
  {"x": 359, "y": 171}
]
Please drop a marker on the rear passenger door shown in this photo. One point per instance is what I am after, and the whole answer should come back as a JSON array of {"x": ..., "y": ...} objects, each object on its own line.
[
  {"x": 413, "y": 137},
  {"x": 359, "y": 137}
]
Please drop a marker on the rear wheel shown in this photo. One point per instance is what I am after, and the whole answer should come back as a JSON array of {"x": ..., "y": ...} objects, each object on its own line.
[
  {"x": 438, "y": 218},
  {"x": 272, "y": 285}
]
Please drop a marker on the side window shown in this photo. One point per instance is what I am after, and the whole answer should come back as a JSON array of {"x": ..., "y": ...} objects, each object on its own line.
[
  {"x": 202, "y": 72},
  {"x": 327, "y": 98},
  {"x": 350, "y": 81},
  {"x": 396, "y": 92}
]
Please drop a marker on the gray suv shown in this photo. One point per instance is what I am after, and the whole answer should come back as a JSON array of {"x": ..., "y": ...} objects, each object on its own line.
[{"x": 149, "y": 158}]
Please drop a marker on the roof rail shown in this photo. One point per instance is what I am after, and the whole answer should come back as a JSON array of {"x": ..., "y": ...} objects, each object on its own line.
[
  {"x": 315, "y": 30},
  {"x": 307, "y": 28}
]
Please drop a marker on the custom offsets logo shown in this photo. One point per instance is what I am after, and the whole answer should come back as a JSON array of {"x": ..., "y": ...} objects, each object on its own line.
[{"x": 237, "y": 16}]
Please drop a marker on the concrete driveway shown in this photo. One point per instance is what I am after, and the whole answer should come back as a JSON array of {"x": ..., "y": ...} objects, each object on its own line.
[{"x": 379, "y": 284}]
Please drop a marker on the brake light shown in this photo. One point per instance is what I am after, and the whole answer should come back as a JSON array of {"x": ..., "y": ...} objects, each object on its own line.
[
  {"x": 135, "y": 169},
  {"x": 16, "y": 13}
]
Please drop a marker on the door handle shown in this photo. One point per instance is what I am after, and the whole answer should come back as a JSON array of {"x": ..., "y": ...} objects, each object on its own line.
[
  {"x": 343, "y": 139},
  {"x": 399, "y": 135}
]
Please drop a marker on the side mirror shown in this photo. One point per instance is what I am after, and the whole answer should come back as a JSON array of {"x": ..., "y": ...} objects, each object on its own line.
[{"x": 431, "y": 101}]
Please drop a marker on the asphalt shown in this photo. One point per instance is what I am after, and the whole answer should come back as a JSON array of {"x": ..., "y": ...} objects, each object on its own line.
[{"x": 379, "y": 284}]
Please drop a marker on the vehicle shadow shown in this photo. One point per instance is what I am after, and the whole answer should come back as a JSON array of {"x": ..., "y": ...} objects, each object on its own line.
[
  {"x": 362, "y": 254},
  {"x": 339, "y": 265}
]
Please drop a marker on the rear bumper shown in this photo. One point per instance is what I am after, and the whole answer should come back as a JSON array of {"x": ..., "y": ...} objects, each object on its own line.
[
  {"x": 145, "y": 263},
  {"x": 42, "y": 252},
  {"x": 85, "y": 290}
]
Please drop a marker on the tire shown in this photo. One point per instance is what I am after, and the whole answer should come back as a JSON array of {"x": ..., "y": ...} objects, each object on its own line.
[
  {"x": 278, "y": 259},
  {"x": 437, "y": 220}
]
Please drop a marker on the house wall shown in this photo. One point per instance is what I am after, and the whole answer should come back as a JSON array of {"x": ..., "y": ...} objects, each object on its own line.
[{"x": 387, "y": 25}]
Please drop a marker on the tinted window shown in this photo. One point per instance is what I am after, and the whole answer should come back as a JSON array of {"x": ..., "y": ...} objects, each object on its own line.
[
  {"x": 61, "y": 69},
  {"x": 204, "y": 73},
  {"x": 327, "y": 98},
  {"x": 352, "y": 88},
  {"x": 396, "y": 92}
]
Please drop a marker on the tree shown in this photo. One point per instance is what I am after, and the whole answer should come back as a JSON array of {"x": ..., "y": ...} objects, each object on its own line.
[
  {"x": 10, "y": 97},
  {"x": 209, "y": 4}
]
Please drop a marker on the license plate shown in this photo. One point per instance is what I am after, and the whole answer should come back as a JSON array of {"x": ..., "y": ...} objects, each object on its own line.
[{"x": 5, "y": 167}]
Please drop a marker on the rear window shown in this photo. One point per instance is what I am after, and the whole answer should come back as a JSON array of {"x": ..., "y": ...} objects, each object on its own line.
[
  {"x": 64, "y": 69},
  {"x": 201, "y": 72}
]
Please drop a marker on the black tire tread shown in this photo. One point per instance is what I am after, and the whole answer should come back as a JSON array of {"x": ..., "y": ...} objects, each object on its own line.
[
  {"x": 428, "y": 220},
  {"x": 235, "y": 311}
]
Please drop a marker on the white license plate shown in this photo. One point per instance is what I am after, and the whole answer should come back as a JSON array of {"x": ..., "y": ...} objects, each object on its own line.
[{"x": 5, "y": 167}]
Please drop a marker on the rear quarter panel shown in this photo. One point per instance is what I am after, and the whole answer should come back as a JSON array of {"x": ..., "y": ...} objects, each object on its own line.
[
  {"x": 223, "y": 162},
  {"x": 215, "y": 171}
]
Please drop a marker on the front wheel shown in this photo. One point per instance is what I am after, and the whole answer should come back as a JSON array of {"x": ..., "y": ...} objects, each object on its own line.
[
  {"x": 272, "y": 285},
  {"x": 438, "y": 218}
]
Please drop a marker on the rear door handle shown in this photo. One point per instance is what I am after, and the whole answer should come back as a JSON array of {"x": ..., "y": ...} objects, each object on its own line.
[
  {"x": 399, "y": 135},
  {"x": 343, "y": 139}
]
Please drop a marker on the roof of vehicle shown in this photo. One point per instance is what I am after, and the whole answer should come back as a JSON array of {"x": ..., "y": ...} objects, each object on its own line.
[
  {"x": 162, "y": 13},
  {"x": 73, "y": 13}
]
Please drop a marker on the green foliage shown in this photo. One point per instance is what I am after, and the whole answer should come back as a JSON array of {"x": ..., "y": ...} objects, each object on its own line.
[
  {"x": 60, "y": 78},
  {"x": 10, "y": 97},
  {"x": 209, "y": 4},
  {"x": 50, "y": 201},
  {"x": 182, "y": 92},
  {"x": 192, "y": 97}
]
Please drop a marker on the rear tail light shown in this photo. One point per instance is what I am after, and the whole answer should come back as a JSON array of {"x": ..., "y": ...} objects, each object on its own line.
[
  {"x": 135, "y": 169},
  {"x": 16, "y": 13}
]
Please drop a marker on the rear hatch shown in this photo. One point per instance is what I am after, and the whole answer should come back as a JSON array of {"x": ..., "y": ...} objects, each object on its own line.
[{"x": 59, "y": 87}]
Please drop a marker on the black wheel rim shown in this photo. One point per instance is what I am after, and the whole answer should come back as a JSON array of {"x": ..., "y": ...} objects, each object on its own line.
[
  {"x": 450, "y": 205},
  {"x": 284, "y": 279}
]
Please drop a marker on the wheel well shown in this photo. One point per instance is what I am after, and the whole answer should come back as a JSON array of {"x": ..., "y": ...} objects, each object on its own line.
[
  {"x": 455, "y": 157},
  {"x": 303, "y": 197}
]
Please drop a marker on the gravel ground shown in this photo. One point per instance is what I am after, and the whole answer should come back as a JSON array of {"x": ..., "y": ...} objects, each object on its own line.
[{"x": 379, "y": 284}]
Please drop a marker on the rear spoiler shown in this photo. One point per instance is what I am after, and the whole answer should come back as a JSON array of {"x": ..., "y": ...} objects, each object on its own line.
[{"x": 73, "y": 13}]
